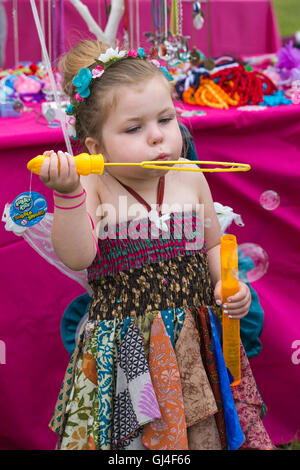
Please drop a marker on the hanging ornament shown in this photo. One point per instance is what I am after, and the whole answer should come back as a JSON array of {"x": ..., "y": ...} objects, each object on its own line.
[
  {"x": 195, "y": 57},
  {"x": 209, "y": 64},
  {"x": 198, "y": 15},
  {"x": 125, "y": 27},
  {"x": 174, "y": 18},
  {"x": 16, "y": 32}
]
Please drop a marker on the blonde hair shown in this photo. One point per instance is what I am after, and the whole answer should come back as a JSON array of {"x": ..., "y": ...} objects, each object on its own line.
[{"x": 93, "y": 111}]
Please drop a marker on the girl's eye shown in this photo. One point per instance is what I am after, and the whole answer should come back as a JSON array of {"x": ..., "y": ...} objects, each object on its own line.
[
  {"x": 132, "y": 130},
  {"x": 165, "y": 120}
]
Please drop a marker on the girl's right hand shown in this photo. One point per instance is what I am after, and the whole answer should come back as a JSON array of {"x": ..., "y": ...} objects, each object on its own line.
[{"x": 64, "y": 179}]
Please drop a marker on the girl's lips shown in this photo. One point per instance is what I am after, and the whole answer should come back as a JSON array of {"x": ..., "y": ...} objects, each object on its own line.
[{"x": 162, "y": 157}]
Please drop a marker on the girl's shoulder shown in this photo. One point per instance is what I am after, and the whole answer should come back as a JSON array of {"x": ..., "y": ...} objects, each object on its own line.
[{"x": 194, "y": 180}]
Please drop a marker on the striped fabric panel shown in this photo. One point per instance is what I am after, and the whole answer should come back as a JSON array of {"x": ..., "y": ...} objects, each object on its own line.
[{"x": 132, "y": 244}]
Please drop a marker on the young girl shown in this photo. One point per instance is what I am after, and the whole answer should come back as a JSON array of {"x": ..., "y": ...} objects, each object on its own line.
[{"x": 147, "y": 372}]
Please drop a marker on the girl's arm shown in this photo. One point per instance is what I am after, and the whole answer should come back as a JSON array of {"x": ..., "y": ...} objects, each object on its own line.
[{"x": 72, "y": 234}]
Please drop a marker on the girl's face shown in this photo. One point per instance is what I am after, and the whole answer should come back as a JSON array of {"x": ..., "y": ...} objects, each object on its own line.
[{"x": 142, "y": 126}]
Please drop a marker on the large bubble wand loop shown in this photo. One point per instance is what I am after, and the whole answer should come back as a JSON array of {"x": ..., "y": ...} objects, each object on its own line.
[
  {"x": 87, "y": 164},
  {"x": 51, "y": 76}
]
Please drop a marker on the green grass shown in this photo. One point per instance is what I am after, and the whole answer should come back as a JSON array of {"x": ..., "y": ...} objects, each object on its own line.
[
  {"x": 293, "y": 445},
  {"x": 288, "y": 16}
]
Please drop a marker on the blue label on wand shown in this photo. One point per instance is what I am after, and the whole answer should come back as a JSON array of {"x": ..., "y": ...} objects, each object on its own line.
[{"x": 28, "y": 209}]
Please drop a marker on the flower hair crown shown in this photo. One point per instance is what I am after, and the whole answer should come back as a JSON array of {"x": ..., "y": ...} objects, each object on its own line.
[{"x": 85, "y": 76}]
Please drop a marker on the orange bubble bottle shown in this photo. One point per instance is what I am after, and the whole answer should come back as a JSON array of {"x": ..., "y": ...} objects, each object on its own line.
[{"x": 231, "y": 326}]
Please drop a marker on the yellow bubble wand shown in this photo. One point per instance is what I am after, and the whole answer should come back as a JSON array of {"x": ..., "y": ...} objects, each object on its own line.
[{"x": 87, "y": 164}]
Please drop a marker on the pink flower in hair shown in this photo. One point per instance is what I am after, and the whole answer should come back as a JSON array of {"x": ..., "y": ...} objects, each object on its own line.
[
  {"x": 155, "y": 62},
  {"x": 132, "y": 53},
  {"x": 72, "y": 121},
  {"x": 78, "y": 97},
  {"x": 97, "y": 71}
]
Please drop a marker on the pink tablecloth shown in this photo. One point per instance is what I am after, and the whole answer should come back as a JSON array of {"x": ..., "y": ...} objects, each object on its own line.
[
  {"x": 240, "y": 27},
  {"x": 35, "y": 294}
]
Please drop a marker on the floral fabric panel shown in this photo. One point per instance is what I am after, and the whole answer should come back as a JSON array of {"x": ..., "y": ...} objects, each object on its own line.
[
  {"x": 249, "y": 406},
  {"x": 169, "y": 432},
  {"x": 58, "y": 420},
  {"x": 77, "y": 434},
  {"x": 135, "y": 402},
  {"x": 105, "y": 371},
  {"x": 204, "y": 435}
]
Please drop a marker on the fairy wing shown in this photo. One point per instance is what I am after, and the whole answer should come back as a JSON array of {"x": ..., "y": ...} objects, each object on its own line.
[
  {"x": 226, "y": 216},
  {"x": 39, "y": 238}
]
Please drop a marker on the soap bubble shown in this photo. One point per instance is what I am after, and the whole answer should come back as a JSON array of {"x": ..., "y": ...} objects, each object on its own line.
[
  {"x": 253, "y": 262},
  {"x": 269, "y": 200}
]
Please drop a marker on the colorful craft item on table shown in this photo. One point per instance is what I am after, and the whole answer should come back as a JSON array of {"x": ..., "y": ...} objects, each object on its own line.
[
  {"x": 209, "y": 94},
  {"x": 28, "y": 82},
  {"x": 248, "y": 85},
  {"x": 28, "y": 89},
  {"x": 190, "y": 113},
  {"x": 273, "y": 75},
  {"x": 87, "y": 164},
  {"x": 285, "y": 68},
  {"x": 276, "y": 99},
  {"x": 212, "y": 95},
  {"x": 235, "y": 86},
  {"x": 188, "y": 96},
  {"x": 294, "y": 92},
  {"x": 10, "y": 108},
  {"x": 288, "y": 57},
  {"x": 24, "y": 69}
]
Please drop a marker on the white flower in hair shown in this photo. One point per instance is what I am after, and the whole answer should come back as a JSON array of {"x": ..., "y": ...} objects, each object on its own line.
[{"x": 112, "y": 54}]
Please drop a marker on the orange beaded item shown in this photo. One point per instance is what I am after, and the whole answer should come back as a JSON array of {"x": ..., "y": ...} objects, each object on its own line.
[
  {"x": 211, "y": 95},
  {"x": 188, "y": 96}
]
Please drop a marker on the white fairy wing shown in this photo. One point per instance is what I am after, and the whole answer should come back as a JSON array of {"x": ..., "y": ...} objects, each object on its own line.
[
  {"x": 226, "y": 216},
  {"x": 39, "y": 238}
]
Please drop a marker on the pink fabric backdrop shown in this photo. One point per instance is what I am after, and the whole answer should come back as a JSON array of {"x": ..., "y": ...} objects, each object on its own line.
[
  {"x": 241, "y": 27},
  {"x": 35, "y": 294}
]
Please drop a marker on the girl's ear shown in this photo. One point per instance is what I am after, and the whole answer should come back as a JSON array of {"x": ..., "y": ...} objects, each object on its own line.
[{"x": 92, "y": 145}]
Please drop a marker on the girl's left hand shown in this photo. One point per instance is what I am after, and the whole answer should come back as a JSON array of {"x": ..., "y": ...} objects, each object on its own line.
[{"x": 237, "y": 306}]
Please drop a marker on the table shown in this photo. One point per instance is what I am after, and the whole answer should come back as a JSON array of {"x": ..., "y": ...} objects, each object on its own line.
[
  {"x": 239, "y": 27},
  {"x": 35, "y": 294},
  {"x": 269, "y": 141}
]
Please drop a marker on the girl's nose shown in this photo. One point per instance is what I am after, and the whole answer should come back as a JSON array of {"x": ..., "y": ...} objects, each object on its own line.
[{"x": 155, "y": 135}]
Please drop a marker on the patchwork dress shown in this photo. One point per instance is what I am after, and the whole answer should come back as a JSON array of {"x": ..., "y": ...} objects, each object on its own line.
[{"x": 148, "y": 371}]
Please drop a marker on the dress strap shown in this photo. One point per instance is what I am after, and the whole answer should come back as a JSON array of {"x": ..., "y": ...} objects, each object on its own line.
[{"x": 160, "y": 194}]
